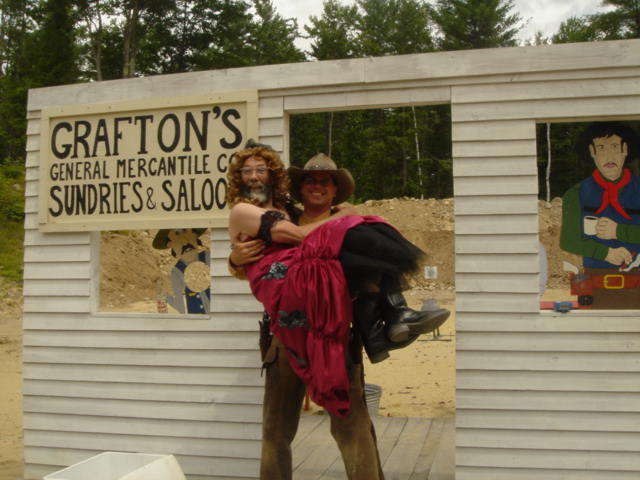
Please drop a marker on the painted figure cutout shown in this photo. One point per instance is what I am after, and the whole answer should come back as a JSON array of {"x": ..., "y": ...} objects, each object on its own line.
[
  {"x": 601, "y": 220},
  {"x": 190, "y": 278}
]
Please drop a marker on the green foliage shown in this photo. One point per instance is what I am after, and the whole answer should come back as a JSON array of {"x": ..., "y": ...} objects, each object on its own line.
[
  {"x": 620, "y": 23},
  {"x": 567, "y": 168},
  {"x": 378, "y": 147},
  {"x": 334, "y": 33},
  {"x": 272, "y": 36},
  {"x": 54, "y": 53},
  {"x": 623, "y": 22},
  {"x": 11, "y": 192},
  {"x": 466, "y": 24},
  {"x": 371, "y": 28},
  {"x": 11, "y": 220},
  {"x": 394, "y": 27},
  {"x": 11, "y": 252},
  {"x": 576, "y": 29}
]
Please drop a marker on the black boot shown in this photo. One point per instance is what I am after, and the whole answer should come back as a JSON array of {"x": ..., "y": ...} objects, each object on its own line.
[
  {"x": 367, "y": 317},
  {"x": 397, "y": 315}
]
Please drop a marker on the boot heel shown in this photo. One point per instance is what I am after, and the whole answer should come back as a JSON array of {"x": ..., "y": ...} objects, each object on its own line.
[
  {"x": 378, "y": 357},
  {"x": 398, "y": 332}
]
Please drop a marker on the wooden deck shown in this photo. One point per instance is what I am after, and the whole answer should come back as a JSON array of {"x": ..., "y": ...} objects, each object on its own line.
[{"x": 410, "y": 449}]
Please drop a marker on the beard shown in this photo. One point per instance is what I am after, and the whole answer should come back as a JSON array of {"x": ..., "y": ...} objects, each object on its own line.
[{"x": 261, "y": 194}]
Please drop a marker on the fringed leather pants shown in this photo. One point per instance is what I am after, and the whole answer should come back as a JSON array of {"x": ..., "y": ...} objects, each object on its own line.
[{"x": 283, "y": 397}]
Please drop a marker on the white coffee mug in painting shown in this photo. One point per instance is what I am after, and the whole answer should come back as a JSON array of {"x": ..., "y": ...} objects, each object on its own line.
[{"x": 589, "y": 225}]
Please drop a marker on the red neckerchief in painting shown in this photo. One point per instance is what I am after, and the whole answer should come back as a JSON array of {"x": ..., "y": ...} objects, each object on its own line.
[{"x": 610, "y": 191}]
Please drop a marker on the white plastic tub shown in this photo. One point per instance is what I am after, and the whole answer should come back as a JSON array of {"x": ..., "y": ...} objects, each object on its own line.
[{"x": 122, "y": 466}]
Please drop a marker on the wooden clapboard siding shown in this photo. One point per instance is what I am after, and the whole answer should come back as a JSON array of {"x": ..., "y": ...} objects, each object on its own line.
[
  {"x": 141, "y": 426},
  {"x": 471, "y": 473},
  {"x": 219, "y": 322},
  {"x": 371, "y": 99},
  {"x": 222, "y": 412},
  {"x": 160, "y": 357},
  {"x": 576, "y": 322},
  {"x": 550, "y": 360},
  {"x": 123, "y": 339},
  {"x": 504, "y": 185},
  {"x": 143, "y": 443},
  {"x": 588, "y": 108},
  {"x": 540, "y": 395},
  {"x": 479, "y": 167},
  {"x": 270, "y": 127},
  {"x": 495, "y": 243},
  {"x": 549, "y": 90},
  {"x": 549, "y": 458},
  {"x": 601, "y": 441},
  {"x": 181, "y": 385},
  {"x": 60, "y": 387},
  {"x": 495, "y": 283}
]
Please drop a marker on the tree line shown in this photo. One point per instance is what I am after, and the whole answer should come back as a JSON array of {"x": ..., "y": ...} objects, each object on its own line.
[{"x": 391, "y": 151}]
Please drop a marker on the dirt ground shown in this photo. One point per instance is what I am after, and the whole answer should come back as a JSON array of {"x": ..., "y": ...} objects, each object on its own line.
[
  {"x": 10, "y": 381},
  {"x": 418, "y": 381}
]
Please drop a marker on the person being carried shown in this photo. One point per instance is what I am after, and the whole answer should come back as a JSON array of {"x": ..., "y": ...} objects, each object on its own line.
[{"x": 384, "y": 320}]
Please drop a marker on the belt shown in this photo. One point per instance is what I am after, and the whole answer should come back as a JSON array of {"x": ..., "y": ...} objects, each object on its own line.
[{"x": 615, "y": 281}]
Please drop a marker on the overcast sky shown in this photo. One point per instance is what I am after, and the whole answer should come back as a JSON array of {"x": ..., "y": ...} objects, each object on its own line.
[{"x": 544, "y": 15}]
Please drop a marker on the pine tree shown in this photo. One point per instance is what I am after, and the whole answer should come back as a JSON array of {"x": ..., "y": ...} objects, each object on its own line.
[
  {"x": 272, "y": 37},
  {"x": 467, "y": 24},
  {"x": 54, "y": 55},
  {"x": 623, "y": 22},
  {"x": 333, "y": 34}
]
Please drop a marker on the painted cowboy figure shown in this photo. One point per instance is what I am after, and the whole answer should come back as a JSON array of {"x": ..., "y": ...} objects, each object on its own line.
[
  {"x": 186, "y": 295},
  {"x": 307, "y": 299},
  {"x": 609, "y": 200}
]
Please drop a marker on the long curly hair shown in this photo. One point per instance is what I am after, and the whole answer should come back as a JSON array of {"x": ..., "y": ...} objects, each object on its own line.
[{"x": 278, "y": 178}]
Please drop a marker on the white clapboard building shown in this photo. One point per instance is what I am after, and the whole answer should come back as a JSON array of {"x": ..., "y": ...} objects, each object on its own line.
[{"x": 540, "y": 395}]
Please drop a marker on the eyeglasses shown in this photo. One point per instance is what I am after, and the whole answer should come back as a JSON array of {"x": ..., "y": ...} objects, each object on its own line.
[
  {"x": 325, "y": 182},
  {"x": 260, "y": 170}
]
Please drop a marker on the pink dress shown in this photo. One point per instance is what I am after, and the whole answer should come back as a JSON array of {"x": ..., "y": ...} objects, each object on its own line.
[{"x": 304, "y": 291}]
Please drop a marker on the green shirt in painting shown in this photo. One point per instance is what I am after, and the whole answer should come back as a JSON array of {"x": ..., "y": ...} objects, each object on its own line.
[{"x": 571, "y": 237}]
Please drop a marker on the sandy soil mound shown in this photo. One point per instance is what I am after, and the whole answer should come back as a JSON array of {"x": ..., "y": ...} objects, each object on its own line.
[
  {"x": 10, "y": 380},
  {"x": 550, "y": 221}
]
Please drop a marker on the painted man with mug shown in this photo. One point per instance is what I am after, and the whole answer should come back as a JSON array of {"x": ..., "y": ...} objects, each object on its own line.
[{"x": 601, "y": 217}]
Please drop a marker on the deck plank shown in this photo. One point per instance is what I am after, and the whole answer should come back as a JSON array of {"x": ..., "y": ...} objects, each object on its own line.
[
  {"x": 405, "y": 454},
  {"x": 308, "y": 423},
  {"x": 316, "y": 438},
  {"x": 388, "y": 440},
  {"x": 410, "y": 449},
  {"x": 337, "y": 471},
  {"x": 443, "y": 463},
  {"x": 429, "y": 449}
]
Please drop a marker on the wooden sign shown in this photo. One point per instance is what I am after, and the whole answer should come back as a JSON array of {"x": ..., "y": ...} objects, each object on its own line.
[{"x": 153, "y": 163}]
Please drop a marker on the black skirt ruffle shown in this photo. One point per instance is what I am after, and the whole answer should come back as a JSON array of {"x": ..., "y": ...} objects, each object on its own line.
[{"x": 378, "y": 253}]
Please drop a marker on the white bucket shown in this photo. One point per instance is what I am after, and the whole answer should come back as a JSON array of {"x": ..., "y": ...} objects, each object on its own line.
[
  {"x": 122, "y": 466},
  {"x": 372, "y": 394}
]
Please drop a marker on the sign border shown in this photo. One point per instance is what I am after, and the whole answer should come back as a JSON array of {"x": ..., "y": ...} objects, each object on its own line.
[{"x": 250, "y": 97}]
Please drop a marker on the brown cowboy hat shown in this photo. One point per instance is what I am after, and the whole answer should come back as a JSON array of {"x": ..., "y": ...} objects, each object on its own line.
[
  {"x": 161, "y": 239},
  {"x": 322, "y": 163}
]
